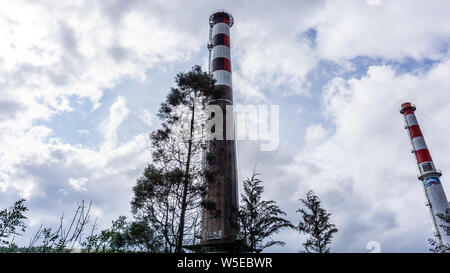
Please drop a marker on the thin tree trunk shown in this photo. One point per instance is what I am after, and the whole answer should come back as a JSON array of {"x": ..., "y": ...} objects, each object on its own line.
[
  {"x": 166, "y": 224},
  {"x": 185, "y": 187}
]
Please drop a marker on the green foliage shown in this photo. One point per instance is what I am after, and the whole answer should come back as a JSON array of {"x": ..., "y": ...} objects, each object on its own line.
[
  {"x": 170, "y": 191},
  {"x": 153, "y": 200},
  {"x": 315, "y": 223},
  {"x": 123, "y": 236},
  {"x": 259, "y": 219},
  {"x": 12, "y": 221},
  {"x": 143, "y": 237},
  {"x": 62, "y": 239},
  {"x": 191, "y": 86}
]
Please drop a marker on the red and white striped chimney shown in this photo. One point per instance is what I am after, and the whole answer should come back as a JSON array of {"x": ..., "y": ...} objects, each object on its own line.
[
  {"x": 220, "y": 24},
  {"x": 220, "y": 226},
  {"x": 436, "y": 199}
]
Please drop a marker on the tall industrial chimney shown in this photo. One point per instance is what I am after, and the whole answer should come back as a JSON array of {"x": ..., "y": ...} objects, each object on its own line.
[
  {"x": 428, "y": 174},
  {"x": 220, "y": 226}
]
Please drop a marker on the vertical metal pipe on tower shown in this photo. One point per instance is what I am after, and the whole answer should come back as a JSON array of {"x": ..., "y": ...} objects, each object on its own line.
[
  {"x": 220, "y": 226},
  {"x": 428, "y": 174}
]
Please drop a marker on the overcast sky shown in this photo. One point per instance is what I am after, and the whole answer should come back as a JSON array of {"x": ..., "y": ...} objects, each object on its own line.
[{"x": 81, "y": 81}]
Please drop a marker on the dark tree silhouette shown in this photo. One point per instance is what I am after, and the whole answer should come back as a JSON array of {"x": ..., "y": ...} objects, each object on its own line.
[
  {"x": 170, "y": 191},
  {"x": 124, "y": 236},
  {"x": 259, "y": 219},
  {"x": 155, "y": 199},
  {"x": 315, "y": 223},
  {"x": 12, "y": 221},
  {"x": 64, "y": 238}
]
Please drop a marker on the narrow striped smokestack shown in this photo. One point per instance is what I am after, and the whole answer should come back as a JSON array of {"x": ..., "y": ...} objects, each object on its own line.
[
  {"x": 220, "y": 23},
  {"x": 428, "y": 174},
  {"x": 220, "y": 226}
]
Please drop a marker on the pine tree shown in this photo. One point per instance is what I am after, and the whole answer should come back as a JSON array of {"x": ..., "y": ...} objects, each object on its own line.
[
  {"x": 259, "y": 219},
  {"x": 315, "y": 223},
  {"x": 171, "y": 190}
]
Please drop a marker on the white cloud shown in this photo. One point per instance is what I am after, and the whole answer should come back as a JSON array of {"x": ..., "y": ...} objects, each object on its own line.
[
  {"x": 315, "y": 133},
  {"x": 245, "y": 90},
  {"x": 117, "y": 113},
  {"x": 277, "y": 53},
  {"x": 373, "y": 2},
  {"x": 78, "y": 184},
  {"x": 53, "y": 50},
  {"x": 83, "y": 132},
  {"x": 146, "y": 117},
  {"x": 392, "y": 30},
  {"x": 268, "y": 58}
]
